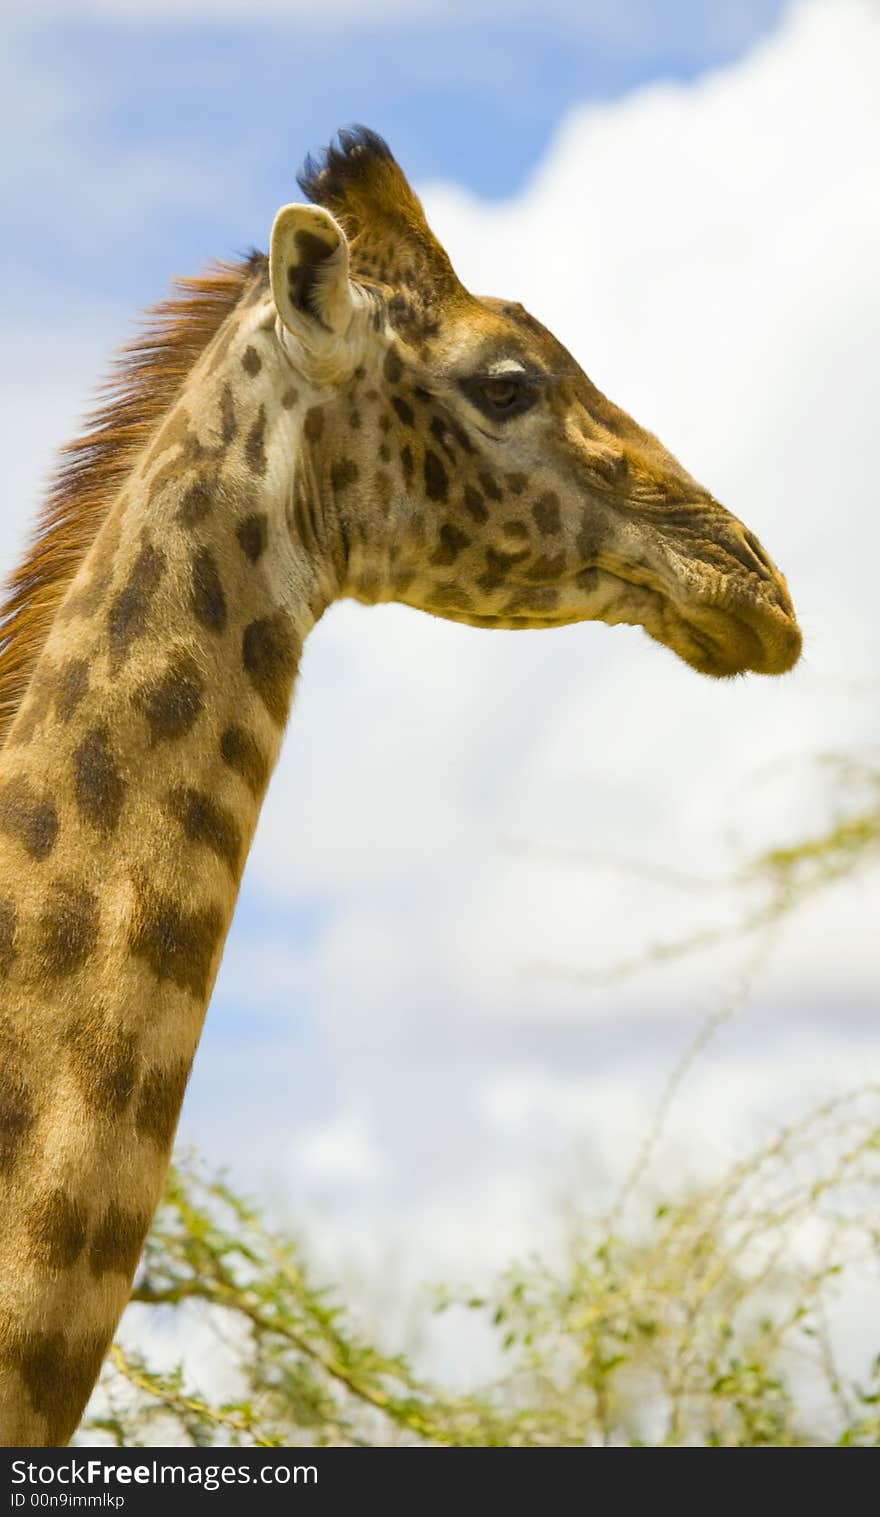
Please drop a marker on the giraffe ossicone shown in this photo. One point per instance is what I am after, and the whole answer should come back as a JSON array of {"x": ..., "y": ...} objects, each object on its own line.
[{"x": 343, "y": 419}]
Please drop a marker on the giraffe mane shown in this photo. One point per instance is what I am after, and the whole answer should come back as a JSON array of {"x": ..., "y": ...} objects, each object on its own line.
[{"x": 146, "y": 378}]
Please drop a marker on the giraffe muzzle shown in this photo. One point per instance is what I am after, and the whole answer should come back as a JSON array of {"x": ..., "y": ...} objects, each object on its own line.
[
  {"x": 739, "y": 636},
  {"x": 728, "y": 610}
]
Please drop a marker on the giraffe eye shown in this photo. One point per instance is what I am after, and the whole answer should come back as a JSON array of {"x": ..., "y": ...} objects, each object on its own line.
[
  {"x": 500, "y": 396},
  {"x": 501, "y": 393}
]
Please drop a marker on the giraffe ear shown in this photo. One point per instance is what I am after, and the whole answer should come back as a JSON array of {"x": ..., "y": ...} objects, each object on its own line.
[{"x": 308, "y": 271}]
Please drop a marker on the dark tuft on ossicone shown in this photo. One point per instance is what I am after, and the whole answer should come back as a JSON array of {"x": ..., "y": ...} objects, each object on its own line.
[{"x": 326, "y": 179}]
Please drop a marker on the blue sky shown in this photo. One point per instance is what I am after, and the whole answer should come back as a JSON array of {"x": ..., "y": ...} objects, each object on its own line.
[{"x": 471, "y": 94}]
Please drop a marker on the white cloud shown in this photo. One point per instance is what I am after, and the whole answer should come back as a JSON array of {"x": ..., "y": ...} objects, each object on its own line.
[
  {"x": 711, "y": 260},
  {"x": 340, "y": 1153}
]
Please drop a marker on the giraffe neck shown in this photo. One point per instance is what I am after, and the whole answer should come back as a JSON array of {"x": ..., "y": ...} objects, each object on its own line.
[{"x": 130, "y": 785}]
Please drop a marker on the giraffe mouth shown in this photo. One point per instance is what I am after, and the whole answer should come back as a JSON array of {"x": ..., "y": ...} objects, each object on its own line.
[
  {"x": 720, "y": 624},
  {"x": 743, "y": 636},
  {"x": 723, "y": 631},
  {"x": 720, "y": 633}
]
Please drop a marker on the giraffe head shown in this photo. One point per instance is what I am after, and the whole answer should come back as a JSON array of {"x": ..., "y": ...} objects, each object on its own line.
[{"x": 473, "y": 469}]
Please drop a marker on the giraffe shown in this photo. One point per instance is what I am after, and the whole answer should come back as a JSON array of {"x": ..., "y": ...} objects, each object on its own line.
[{"x": 340, "y": 418}]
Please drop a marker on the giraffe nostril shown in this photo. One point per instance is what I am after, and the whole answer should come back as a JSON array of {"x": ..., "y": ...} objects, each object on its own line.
[
  {"x": 745, "y": 548},
  {"x": 764, "y": 566}
]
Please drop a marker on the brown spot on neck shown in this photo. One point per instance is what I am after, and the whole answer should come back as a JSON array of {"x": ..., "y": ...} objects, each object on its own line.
[
  {"x": 197, "y": 501},
  {"x": 104, "y": 1058},
  {"x": 127, "y": 617},
  {"x": 206, "y": 822},
  {"x": 56, "y": 1228},
  {"x": 98, "y": 786},
  {"x": 253, "y": 534},
  {"x": 17, "y": 1110},
  {"x": 206, "y": 598},
  {"x": 68, "y": 928},
  {"x": 270, "y": 653},
  {"x": 177, "y": 944},
  {"x": 228, "y": 423},
  {"x": 58, "y": 1373},
  {"x": 172, "y": 703},
  {"x": 118, "y": 1240},
  {"x": 243, "y": 754},
  {"x": 255, "y": 445},
  {"x": 28, "y": 817},
  {"x": 159, "y": 1102},
  {"x": 73, "y": 685}
]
